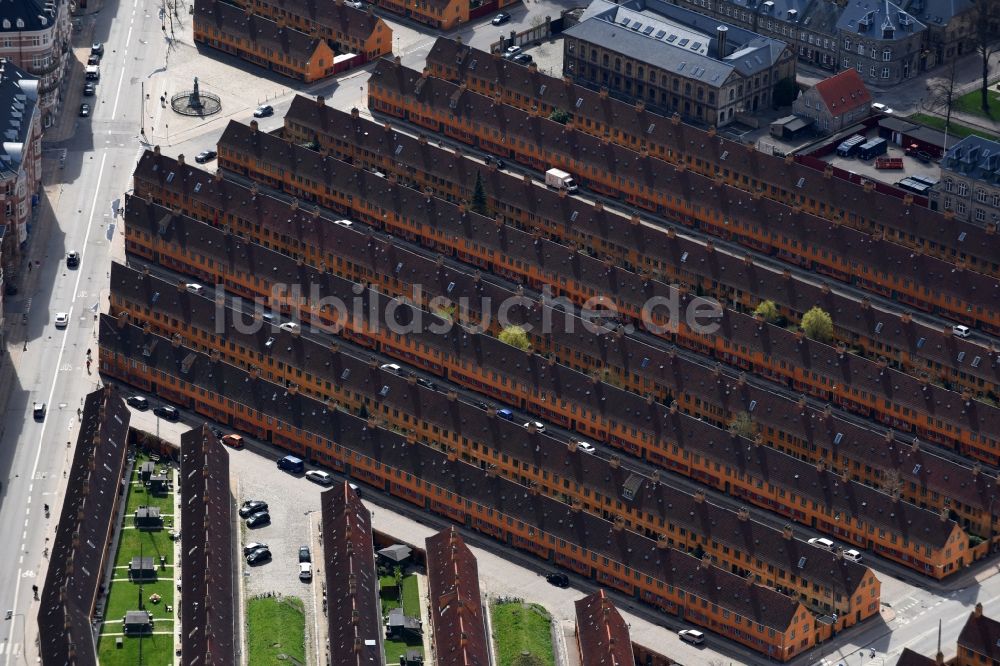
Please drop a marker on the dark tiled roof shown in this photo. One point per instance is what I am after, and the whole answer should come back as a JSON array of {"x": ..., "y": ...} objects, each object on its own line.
[
  {"x": 879, "y": 209},
  {"x": 18, "y": 106},
  {"x": 842, "y": 499},
  {"x": 602, "y": 633},
  {"x": 33, "y": 15},
  {"x": 208, "y": 575},
  {"x": 456, "y": 608},
  {"x": 87, "y": 522},
  {"x": 850, "y": 314},
  {"x": 350, "y": 369},
  {"x": 264, "y": 33},
  {"x": 298, "y": 411},
  {"x": 981, "y": 634},
  {"x": 354, "y": 619},
  {"x": 331, "y": 15},
  {"x": 910, "y": 658}
]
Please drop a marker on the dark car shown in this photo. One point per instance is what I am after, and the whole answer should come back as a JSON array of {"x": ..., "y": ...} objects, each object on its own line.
[
  {"x": 167, "y": 412},
  {"x": 251, "y": 507},
  {"x": 205, "y": 156},
  {"x": 263, "y": 111},
  {"x": 89, "y": 89},
  {"x": 523, "y": 59},
  {"x": 72, "y": 259},
  {"x": 500, "y": 18},
  {"x": 259, "y": 519},
  {"x": 252, "y": 546},
  {"x": 259, "y": 556},
  {"x": 10, "y": 289},
  {"x": 426, "y": 383},
  {"x": 924, "y": 156},
  {"x": 138, "y": 402},
  {"x": 558, "y": 579},
  {"x": 489, "y": 159},
  {"x": 97, "y": 48},
  {"x": 84, "y": 110},
  {"x": 94, "y": 60},
  {"x": 304, "y": 554}
]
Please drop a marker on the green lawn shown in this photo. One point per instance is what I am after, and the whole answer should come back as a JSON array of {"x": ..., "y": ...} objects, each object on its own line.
[
  {"x": 152, "y": 543},
  {"x": 971, "y": 103},
  {"x": 153, "y": 649},
  {"x": 276, "y": 631},
  {"x": 522, "y": 628},
  {"x": 125, "y": 597},
  {"x": 390, "y": 595},
  {"x": 396, "y": 649},
  {"x": 954, "y": 129}
]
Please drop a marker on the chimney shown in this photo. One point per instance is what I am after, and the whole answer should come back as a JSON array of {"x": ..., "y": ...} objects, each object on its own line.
[
  {"x": 320, "y": 100},
  {"x": 722, "y": 32},
  {"x": 786, "y": 532},
  {"x": 979, "y": 611}
]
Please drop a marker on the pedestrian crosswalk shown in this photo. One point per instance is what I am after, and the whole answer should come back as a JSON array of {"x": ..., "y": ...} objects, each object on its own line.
[{"x": 13, "y": 649}]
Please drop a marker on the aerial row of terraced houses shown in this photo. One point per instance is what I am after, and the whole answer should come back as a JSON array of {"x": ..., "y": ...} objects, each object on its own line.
[{"x": 360, "y": 281}]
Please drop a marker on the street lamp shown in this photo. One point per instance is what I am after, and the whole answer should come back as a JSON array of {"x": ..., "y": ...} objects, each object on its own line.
[{"x": 11, "y": 616}]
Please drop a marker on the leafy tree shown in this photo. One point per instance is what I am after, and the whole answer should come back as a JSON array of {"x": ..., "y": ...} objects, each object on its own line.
[
  {"x": 560, "y": 116},
  {"x": 515, "y": 336},
  {"x": 479, "y": 196},
  {"x": 818, "y": 324},
  {"x": 768, "y": 310},
  {"x": 743, "y": 425},
  {"x": 785, "y": 91}
]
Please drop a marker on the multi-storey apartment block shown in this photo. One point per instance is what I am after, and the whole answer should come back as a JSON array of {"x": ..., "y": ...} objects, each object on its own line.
[
  {"x": 35, "y": 36},
  {"x": 675, "y": 60},
  {"x": 969, "y": 187},
  {"x": 979, "y": 642},
  {"x": 457, "y": 615},
  {"x": 20, "y": 160},
  {"x": 881, "y": 41},
  {"x": 601, "y": 632}
]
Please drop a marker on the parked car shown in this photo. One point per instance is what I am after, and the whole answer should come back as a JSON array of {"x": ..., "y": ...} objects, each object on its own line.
[
  {"x": 259, "y": 556},
  {"x": 205, "y": 156},
  {"x": 692, "y": 636},
  {"x": 820, "y": 542},
  {"x": 304, "y": 554},
  {"x": 259, "y": 519},
  {"x": 167, "y": 412},
  {"x": 252, "y": 546},
  {"x": 62, "y": 319},
  {"x": 505, "y": 414},
  {"x": 539, "y": 426},
  {"x": 558, "y": 579},
  {"x": 251, "y": 507},
  {"x": 852, "y": 555},
  {"x": 97, "y": 48},
  {"x": 305, "y": 571},
  {"x": 84, "y": 110},
  {"x": 961, "y": 331},
  {"x": 292, "y": 464},
  {"x": 489, "y": 159},
  {"x": 195, "y": 288},
  {"x": 232, "y": 440},
  {"x": 512, "y": 50},
  {"x": 263, "y": 111},
  {"x": 93, "y": 59},
  {"x": 522, "y": 59},
  {"x": 89, "y": 89},
  {"x": 38, "y": 411},
  {"x": 320, "y": 477},
  {"x": 289, "y": 326},
  {"x": 72, "y": 259},
  {"x": 879, "y": 107},
  {"x": 426, "y": 383},
  {"x": 139, "y": 402},
  {"x": 500, "y": 18},
  {"x": 924, "y": 156},
  {"x": 343, "y": 223},
  {"x": 586, "y": 447}
]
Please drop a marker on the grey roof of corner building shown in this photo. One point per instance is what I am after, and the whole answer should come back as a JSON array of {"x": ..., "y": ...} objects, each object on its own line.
[
  {"x": 18, "y": 101},
  {"x": 976, "y": 158},
  {"x": 675, "y": 39},
  {"x": 815, "y": 15},
  {"x": 32, "y": 14},
  {"x": 879, "y": 14},
  {"x": 937, "y": 12}
]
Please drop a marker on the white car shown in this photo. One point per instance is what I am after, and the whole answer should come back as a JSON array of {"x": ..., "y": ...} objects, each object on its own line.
[
  {"x": 289, "y": 326},
  {"x": 961, "y": 331},
  {"x": 320, "y": 477},
  {"x": 539, "y": 426},
  {"x": 343, "y": 223},
  {"x": 62, "y": 319},
  {"x": 879, "y": 107},
  {"x": 305, "y": 570},
  {"x": 512, "y": 50},
  {"x": 390, "y": 367},
  {"x": 692, "y": 636},
  {"x": 852, "y": 555},
  {"x": 194, "y": 288},
  {"x": 586, "y": 447},
  {"x": 820, "y": 542}
]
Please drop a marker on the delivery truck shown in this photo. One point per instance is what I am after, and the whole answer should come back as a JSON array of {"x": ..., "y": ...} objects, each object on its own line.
[{"x": 560, "y": 180}]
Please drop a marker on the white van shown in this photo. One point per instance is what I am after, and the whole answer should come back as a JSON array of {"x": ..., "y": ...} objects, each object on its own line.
[
  {"x": 820, "y": 542},
  {"x": 961, "y": 331},
  {"x": 93, "y": 72}
]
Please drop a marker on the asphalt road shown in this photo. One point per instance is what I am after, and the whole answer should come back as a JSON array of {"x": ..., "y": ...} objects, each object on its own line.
[{"x": 51, "y": 366}]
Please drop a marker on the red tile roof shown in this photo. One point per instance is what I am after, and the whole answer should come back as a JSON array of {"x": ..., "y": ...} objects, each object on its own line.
[
  {"x": 844, "y": 92},
  {"x": 602, "y": 632}
]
